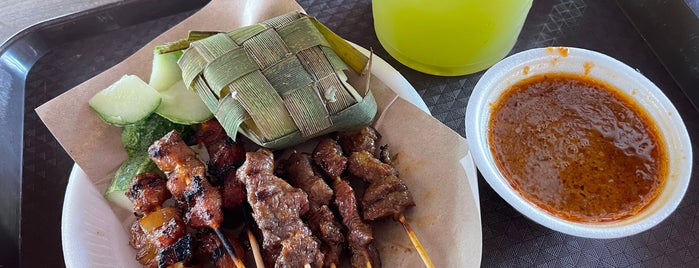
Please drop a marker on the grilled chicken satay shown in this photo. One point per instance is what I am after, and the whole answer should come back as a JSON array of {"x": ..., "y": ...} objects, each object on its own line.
[
  {"x": 299, "y": 171},
  {"x": 277, "y": 208},
  {"x": 189, "y": 186},
  {"x": 159, "y": 236},
  {"x": 147, "y": 192},
  {"x": 225, "y": 156},
  {"x": 187, "y": 181},
  {"x": 328, "y": 155}
]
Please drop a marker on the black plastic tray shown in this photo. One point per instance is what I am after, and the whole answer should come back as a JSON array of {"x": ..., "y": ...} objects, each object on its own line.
[{"x": 48, "y": 59}]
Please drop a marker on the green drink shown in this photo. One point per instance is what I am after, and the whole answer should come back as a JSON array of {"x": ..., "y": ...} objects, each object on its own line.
[{"x": 449, "y": 37}]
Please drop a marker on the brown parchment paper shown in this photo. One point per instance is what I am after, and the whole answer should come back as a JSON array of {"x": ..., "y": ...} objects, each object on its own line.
[{"x": 428, "y": 154}]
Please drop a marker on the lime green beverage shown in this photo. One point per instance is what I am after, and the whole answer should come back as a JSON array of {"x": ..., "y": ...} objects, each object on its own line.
[{"x": 449, "y": 37}]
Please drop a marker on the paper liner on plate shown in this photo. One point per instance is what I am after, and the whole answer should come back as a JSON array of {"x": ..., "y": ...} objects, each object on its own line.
[{"x": 428, "y": 153}]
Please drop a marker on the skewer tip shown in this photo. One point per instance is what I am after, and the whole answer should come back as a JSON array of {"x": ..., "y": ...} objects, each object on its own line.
[
  {"x": 227, "y": 245},
  {"x": 413, "y": 238}
]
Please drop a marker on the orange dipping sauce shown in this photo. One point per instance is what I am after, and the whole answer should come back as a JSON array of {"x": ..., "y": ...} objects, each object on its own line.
[{"x": 577, "y": 148}]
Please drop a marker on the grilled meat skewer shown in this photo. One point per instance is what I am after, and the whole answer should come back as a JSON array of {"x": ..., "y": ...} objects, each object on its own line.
[
  {"x": 328, "y": 155},
  {"x": 189, "y": 186},
  {"x": 277, "y": 208},
  {"x": 226, "y": 156},
  {"x": 387, "y": 195},
  {"x": 299, "y": 171},
  {"x": 159, "y": 236}
]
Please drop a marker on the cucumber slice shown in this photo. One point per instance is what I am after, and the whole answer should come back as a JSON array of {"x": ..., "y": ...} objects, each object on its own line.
[
  {"x": 116, "y": 192},
  {"x": 182, "y": 105},
  {"x": 137, "y": 137},
  {"x": 165, "y": 71},
  {"x": 126, "y": 101}
]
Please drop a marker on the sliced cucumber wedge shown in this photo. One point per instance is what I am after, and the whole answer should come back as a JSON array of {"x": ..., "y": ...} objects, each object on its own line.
[
  {"x": 126, "y": 101},
  {"x": 165, "y": 71},
  {"x": 116, "y": 192},
  {"x": 182, "y": 105}
]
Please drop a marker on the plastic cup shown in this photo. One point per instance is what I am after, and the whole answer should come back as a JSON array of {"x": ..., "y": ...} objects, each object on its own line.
[{"x": 449, "y": 37}]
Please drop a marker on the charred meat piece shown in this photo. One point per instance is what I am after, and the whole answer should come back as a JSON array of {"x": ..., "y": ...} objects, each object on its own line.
[
  {"x": 147, "y": 192},
  {"x": 225, "y": 156},
  {"x": 204, "y": 204},
  {"x": 359, "y": 234},
  {"x": 145, "y": 250},
  {"x": 388, "y": 196},
  {"x": 187, "y": 180},
  {"x": 209, "y": 248},
  {"x": 277, "y": 208},
  {"x": 364, "y": 139},
  {"x": 179, "y": 252},
  {"x": 365, "y": 166},
  {"x": 154, "y": 232},
  {"x": 163, "y": 227},
  {"x": 328, "y": 155},
  {"x": 300, "y": 172}
]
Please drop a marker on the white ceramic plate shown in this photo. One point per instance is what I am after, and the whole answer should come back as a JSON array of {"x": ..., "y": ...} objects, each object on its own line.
[{"x": 93, "y": 236}]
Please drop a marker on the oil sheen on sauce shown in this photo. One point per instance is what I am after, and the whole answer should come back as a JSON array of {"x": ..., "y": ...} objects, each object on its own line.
[{"x": 577, "y": 148}]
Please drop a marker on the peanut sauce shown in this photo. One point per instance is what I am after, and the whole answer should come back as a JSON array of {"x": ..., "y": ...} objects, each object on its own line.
[{"x": 577, "y": 148}]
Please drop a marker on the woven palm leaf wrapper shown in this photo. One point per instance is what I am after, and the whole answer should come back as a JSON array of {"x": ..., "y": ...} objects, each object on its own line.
[{"x": 282, "y": 81}]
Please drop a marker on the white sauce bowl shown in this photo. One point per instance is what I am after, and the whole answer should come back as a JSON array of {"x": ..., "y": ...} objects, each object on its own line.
[{"x": 601, "y": 67}]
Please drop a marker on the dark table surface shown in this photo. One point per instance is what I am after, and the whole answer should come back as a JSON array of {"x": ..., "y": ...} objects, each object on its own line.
[{"x": 509, "y": 238}]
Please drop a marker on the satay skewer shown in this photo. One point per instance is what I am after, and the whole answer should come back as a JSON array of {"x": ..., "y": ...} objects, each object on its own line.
[
  {"x": 328, "y": 156},
  {"x": 381, "y": 176},
  {"x": 186, "y": 180}
]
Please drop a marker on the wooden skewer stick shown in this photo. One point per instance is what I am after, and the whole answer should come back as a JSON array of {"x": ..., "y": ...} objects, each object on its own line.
[
  {"x": 413, "y": 238},
  {"x": 368, "y": 264},
  {"x": 255, "y": 249},
  {"x": 259, "y": 262},
  {"x": 227, "y": 245}
]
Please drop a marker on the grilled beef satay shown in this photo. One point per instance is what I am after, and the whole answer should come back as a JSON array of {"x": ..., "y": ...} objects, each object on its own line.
[
  {"x": 387, "y": 195},
  {"x": 299, "y": 171},
  {"x": 365, "y": 166},
  {"x": 328, "y": 155},
  {"x": 363, "y": 139},
  {"x": 277, "y": 208},
  {"x": 225, "y": 156},
  {"x": 159, "y": 236},
  {"x": 189, "y": 186}
]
